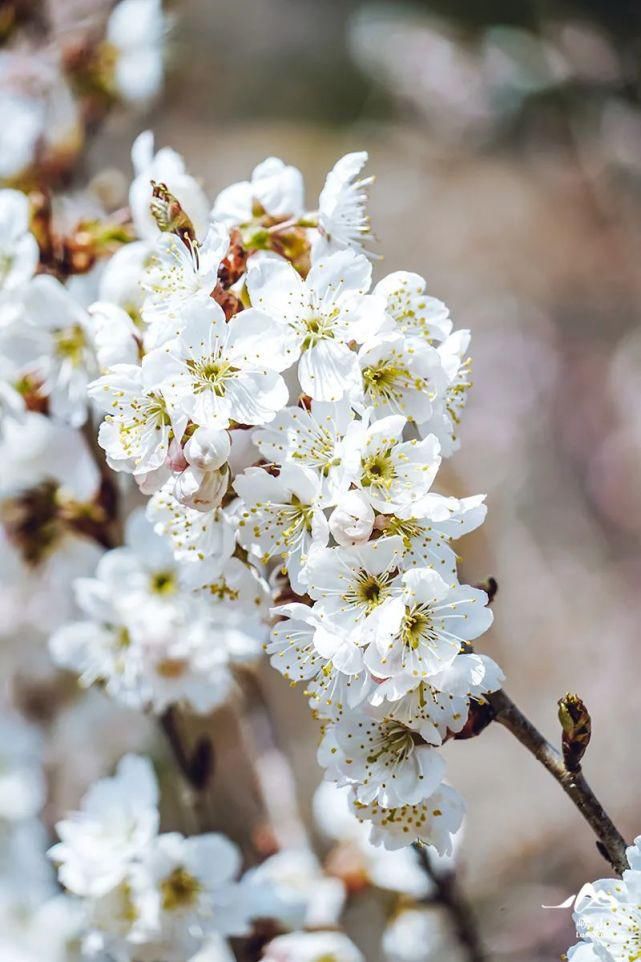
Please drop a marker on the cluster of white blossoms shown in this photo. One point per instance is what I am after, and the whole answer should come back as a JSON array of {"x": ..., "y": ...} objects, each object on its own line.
[
  {"x": 140, "y": 894},
  {"x": 152, "y": 634},
  {"x": 286, "y": 418},
  {"x": 607, "y": 915},
  {"x": 145, "y": 895},
  {"x": 66, "y": 71}
]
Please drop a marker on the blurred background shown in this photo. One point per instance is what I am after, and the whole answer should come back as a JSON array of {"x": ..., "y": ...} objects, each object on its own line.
[{"x": 506, "y": 143}]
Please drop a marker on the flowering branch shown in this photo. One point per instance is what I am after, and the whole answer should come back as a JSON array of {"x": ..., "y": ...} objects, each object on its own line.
[
  {"x": 448, "y": 895},
  {"x": 611, "y": 843}
]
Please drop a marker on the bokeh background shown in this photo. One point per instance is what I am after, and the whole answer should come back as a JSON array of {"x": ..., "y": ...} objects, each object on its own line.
[{"x": 506, "y": 143}]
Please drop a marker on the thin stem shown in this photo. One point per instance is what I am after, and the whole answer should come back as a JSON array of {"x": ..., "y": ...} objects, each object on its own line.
[
  {"x": 451, "y": 899},
  {"x": 611, "y": 843}
]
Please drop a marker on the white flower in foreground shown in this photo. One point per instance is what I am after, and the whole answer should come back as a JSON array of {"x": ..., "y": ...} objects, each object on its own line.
[
  {"x": 382, "y": 759},
  {"x": 312, "y": 947},
  {"x": 434, "y": 820},
  {"x": 412, "y": 310},
  {"x": 64, "y": 360},
  {"x": 186, "y": 888},
  {"x": 324, "y": 438},
  {"x": 218, "y": 371},
  {"x": 320, "y": 316},
  {"x": 354, "y": 588},
  {"x": 165, "y": 167},
  {"x": 400, "y": 376},
  {"x": 135, "y": 33},
  {"x": 138, "y": 425},
  {"x": 433, "y": 714},
  {"x": 178, "y": 277},
  {"x": 116, "y": 823},
  {"x": 275, "y": 189},
  {"x": 435, "y": 620},
  {"x": 395, "y": 474},
  {"x": 282, "y": 517},
  {"x": 607, "y": 915},
  {"x": 22, "y": 782},
  {"x": 19, "y": 253},
  {"x": 342, "y": 206}
]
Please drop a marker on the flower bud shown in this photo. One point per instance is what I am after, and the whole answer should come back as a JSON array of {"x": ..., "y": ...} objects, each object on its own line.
[
  {"x": 208, "y": 449},
  {"x": 202, "y": 490},
  {"x": 577, "y": 730},
  {"x": 352, "y": 520}
]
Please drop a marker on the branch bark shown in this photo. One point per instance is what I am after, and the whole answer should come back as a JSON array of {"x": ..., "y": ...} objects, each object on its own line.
[
  {"x": 450, "y": 898},
  {"x": 610, "y": 841}
]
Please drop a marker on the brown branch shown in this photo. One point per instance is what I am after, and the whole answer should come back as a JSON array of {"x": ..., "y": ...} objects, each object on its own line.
[
  {"x": 449, "y": 897},
  {"x": 196, "y": 766},
  {"x": 610, "y": 841}
]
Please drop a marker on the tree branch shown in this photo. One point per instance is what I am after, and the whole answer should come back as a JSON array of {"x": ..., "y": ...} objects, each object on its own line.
[
  {"x": 611, "y": 843},
  {"x": 453, "y": 902}
]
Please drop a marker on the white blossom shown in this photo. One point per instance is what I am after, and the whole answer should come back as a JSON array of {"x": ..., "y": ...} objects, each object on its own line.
[
  {"x": 412, "y": 310},
  {"x": 275, "y": 189},
  {"x": 382, "y": 760},
  {"x": 217, "y": 371},
  {"x": 342, "y": 206},
  {"x": 168, "y": 168},
  {"x": 394, "y": 473},
  {"x": 281, "y": 516},
  {"x": 319, "y": 316},
  {"x": 117, "y": 821},
  {"x": 138, "y": 425},
  {"x": 434, "y": 820},
  {"x": 135, "y": 33}
]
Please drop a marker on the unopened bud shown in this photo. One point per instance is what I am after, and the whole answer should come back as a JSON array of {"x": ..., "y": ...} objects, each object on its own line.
[
  {"x": 352, "y": 520},
  {"x": 207, "y": 449},
  {"x": 202, "y": 490},
  {"x": 577, "y": 730}
]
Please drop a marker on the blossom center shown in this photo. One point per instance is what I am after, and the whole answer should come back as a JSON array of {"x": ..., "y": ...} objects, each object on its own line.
[
  {"x": 417, "y": 627},
  {"x": 179, "y": 890},
  {"x": 163, "y": 583},
  {"x": 70, "y": 344},
  {"x": 211, "y": 375},
  {"x": 378, "y": 470}
]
